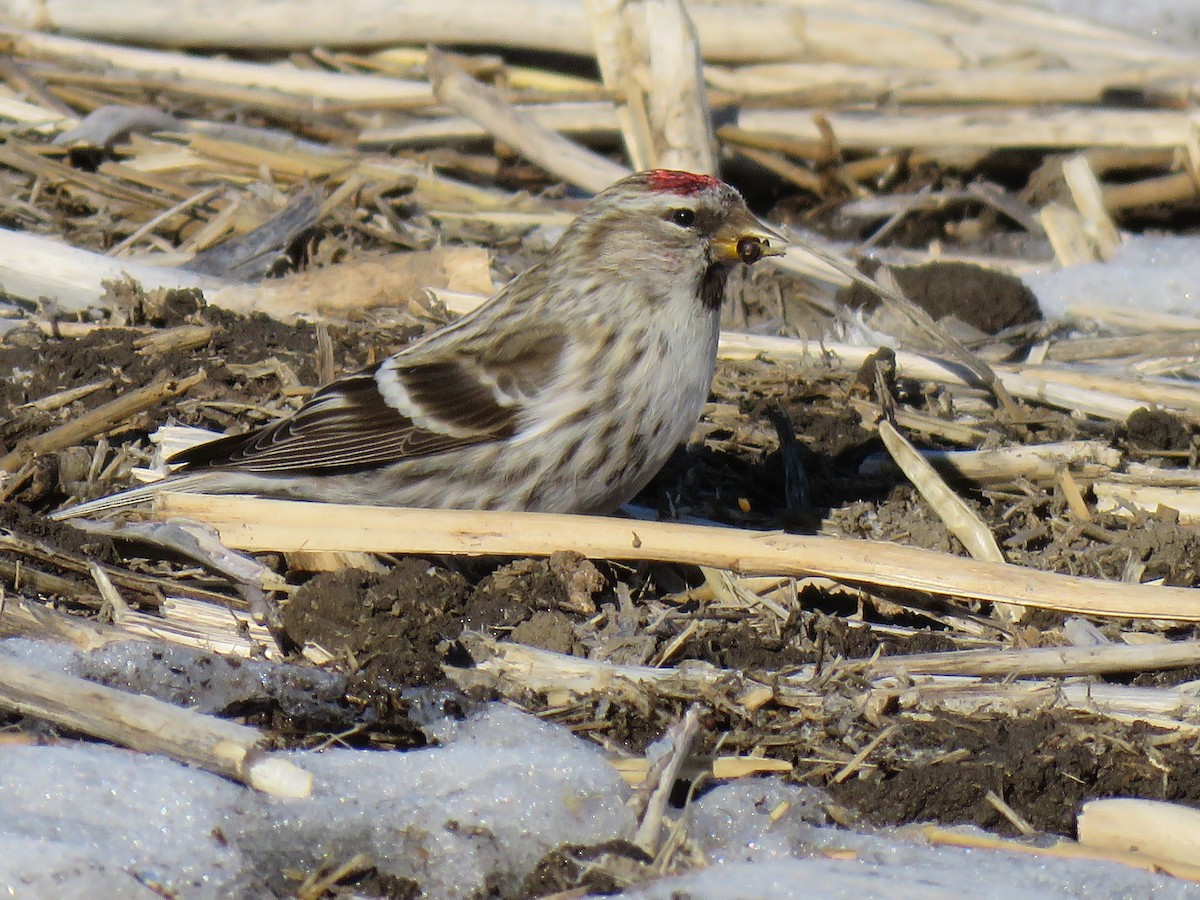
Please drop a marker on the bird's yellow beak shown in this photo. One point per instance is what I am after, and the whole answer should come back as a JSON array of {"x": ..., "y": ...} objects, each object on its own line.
[{"x": 745, "y": 239}]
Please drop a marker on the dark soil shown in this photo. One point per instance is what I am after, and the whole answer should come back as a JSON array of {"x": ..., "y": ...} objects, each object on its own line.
[
  {"x": 400, "y": 626},
  {"x": 1044, "y": 766}
]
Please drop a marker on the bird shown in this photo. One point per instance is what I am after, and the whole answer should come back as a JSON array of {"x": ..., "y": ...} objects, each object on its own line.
[{"x": 564, "y": 392}]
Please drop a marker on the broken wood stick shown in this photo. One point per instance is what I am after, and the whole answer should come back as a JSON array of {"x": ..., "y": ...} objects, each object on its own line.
[
  {"x": 649, "y": 57},
  {"x": 151, "y": 726},
  {"x": 250, "y": 523},
  {"x": 1042, "y": 661},
  {"x": 1154, "y": 828},
  {"x": 551, "y": 151}
]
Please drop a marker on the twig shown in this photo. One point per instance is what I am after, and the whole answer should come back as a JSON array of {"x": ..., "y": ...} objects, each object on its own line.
[
  {"x": 255, "y": 524},
  {"x": 660, "y": 781},
  {"x": 1038, "y": 463},
  {"x": 100, "y": 419},
  {"x": 1042, "y": 661},
  {"x": 171, "y": 65},
  {"x": 553, "y": 152},
  {"x": 1014, "y": 818},
  {"x": 964, "y": 523},
  {"x": 650, "y": 58},
  {"x": 151, "y": 726},
  {"x": 861, "y": 756},
  {"x": 988, "y": 128}
]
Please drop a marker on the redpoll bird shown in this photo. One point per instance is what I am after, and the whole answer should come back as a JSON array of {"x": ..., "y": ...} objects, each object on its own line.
[{"x": 566, "y": 392}]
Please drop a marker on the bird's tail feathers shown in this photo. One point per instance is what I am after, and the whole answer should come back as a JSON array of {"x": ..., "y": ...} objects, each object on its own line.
[{"x": 133, "y": 496}]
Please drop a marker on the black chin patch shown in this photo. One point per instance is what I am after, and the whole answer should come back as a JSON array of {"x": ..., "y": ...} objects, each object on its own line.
[{"x": 712, "y": 286}]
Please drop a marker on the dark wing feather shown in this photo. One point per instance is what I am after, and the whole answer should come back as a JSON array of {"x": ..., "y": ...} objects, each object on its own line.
[{"x": 349, "y": 425}]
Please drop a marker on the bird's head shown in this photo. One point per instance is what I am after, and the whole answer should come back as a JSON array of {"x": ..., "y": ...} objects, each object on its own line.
[{"x": 669, "y": 225}]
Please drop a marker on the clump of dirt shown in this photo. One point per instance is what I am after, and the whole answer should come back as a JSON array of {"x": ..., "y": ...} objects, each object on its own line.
[
  {"x": 902, "y": 516},
  {"x": 956, "y": 289},
  {"x": 739, "y": 645},
  {"x": 513, "y": 592},
  {"x": 806, "y": 637},
  {"x": 1157, "y": 430},
  {"x": 1168, "y": 550},
  {"x": 389, "y": 625},
  {"x": 21, "y": 523},
  {"x": 548, "y": 630},
  {"x": 570, "y": 869},
  {"x": 399, "y": 626}
]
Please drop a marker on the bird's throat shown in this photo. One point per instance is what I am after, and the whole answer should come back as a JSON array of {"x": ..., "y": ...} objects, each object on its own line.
[{"x": 712, "y": 286}]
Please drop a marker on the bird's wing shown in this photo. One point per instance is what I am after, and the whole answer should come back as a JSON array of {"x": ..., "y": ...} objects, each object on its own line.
[{"x": 410, "y": 405}]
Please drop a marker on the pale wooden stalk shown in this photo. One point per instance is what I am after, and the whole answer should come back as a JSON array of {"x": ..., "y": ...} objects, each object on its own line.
[
  {"x": 1042, "y": 661},
  {"x": 1135, "y": 319},
  {"x": 964, "y": 523},
  {"x": 29, "y": 618},
  {"x": 1150, "y": 827},
  {"x": 174, "y": 340},
  {"x": 288, "y": 79},
  {"x": 66, "y": 397},
  {"x": 660, "y": 781},
  {"x": 33, "y": 267},
  {"x": 956, "y": 432},
  {"x": 1067, "y": 231},
  {"x": 35, "y": 118},
  {"x": 1074, "y": 496},
  {"x": 1089, "y": 200},
  {"x": 681, "y": 125},
  {"x": 728, "y": 32},
  {"x": 1125, "y": 499},
  {"x": 1093, "y": 349},
  {"x": 1164, "y": 189},
  {"x": 515, "y": 670},
  {"x": 981, "y": 30},
  {"x": 553, "y": 152},
  {"x": 151, "y": 726},
  {"x": 205, "y": 626},
  {"x": 650, "y": 59},
  {"x": 1044, "y": 21},
  {"x": 1159, "y": 391},
  {"x": 583, "y": 119},
  {"x": 860, "y": 757},
  {"x": 1057, "y": 128},
  {"x": 248, "y": 523},
  {"x": 1039, "y": 463},
  {"x": 831, "y": 82},
  {"x": 1168, "y": 708},
  {"x": 1141, "y": 473},
  {"x": 728, "y": 767},
  {"x": 1051, "y": 390},
  {"x": 617, "y": 53}
]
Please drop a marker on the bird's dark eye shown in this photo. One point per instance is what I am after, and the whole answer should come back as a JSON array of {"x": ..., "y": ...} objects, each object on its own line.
[{"x": 685, "y": 218}]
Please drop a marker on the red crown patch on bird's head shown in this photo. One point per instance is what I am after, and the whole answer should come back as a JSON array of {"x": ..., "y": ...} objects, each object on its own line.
[{"x": 682, "y": 183}]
